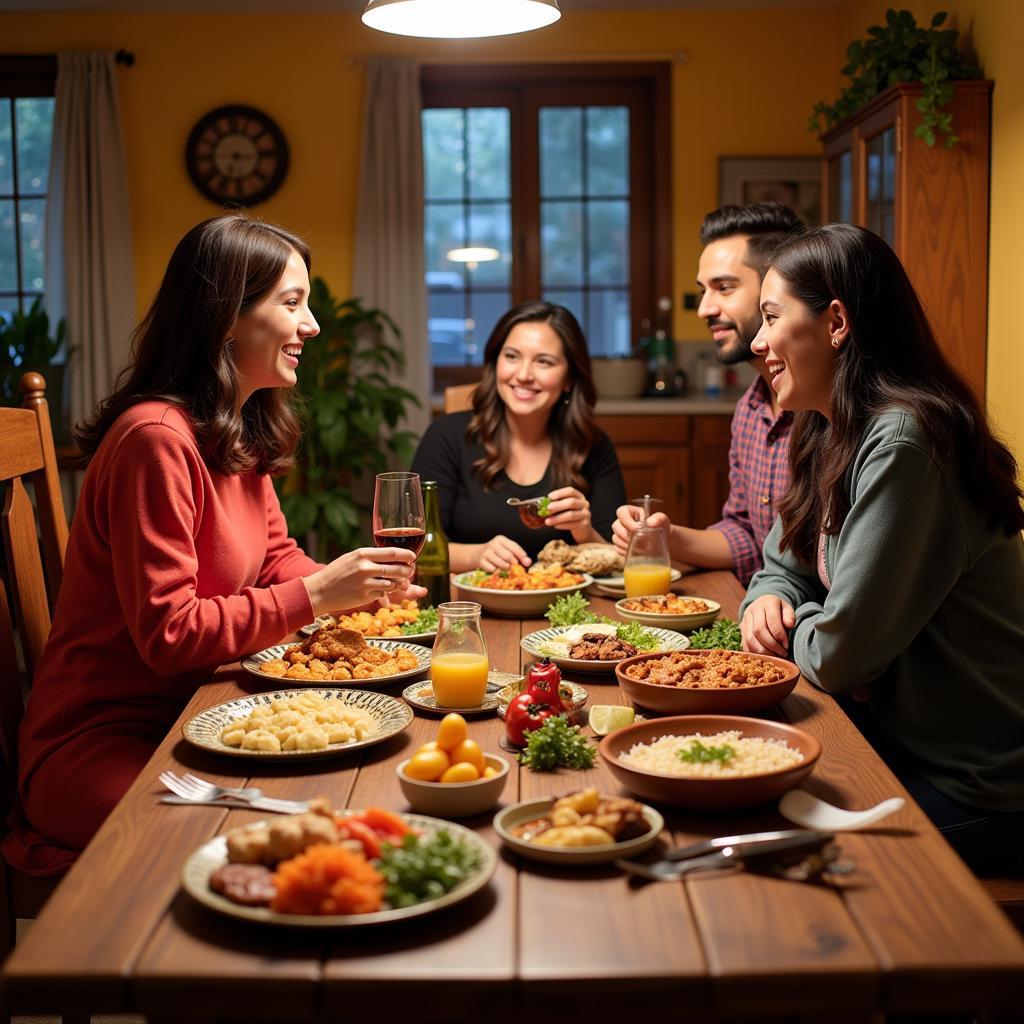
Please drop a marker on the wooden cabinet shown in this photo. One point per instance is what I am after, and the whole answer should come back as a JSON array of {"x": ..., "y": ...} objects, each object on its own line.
[
  {"x": 684, "y": 460},
  {"x": 928, "y": 202}
]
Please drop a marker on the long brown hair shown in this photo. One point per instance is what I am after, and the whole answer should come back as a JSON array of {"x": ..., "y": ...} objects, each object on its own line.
[
  {"x": 571, "y": 424},
  {"x": 890, "y": 360},
  {"x": 181, "y": 352}
]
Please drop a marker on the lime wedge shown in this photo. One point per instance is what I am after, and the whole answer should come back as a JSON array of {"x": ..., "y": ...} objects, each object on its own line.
[{"x": 606, "y": 718}]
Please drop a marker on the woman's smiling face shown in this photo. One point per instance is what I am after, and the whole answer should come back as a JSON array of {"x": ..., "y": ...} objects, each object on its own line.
[
  {"x": 797, "y": 346},
  {"x": 532, "y": 370}
]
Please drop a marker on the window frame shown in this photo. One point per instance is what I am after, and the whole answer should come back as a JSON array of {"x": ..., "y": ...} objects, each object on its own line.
[
  {"x": 524, "y": 88},
  {"x": 24, "y": 77}
]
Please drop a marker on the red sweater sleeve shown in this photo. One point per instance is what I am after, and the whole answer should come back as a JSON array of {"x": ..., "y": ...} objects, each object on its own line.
[
  {"x": 155, "y": 495},
  {"x": 285, "y": 559}
]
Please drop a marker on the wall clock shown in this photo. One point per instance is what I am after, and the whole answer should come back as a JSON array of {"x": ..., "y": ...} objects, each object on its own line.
[{"x": 236, "y": 154}]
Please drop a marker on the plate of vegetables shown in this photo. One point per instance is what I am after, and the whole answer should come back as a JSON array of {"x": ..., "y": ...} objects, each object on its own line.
[{"x": 338, "y": 870}]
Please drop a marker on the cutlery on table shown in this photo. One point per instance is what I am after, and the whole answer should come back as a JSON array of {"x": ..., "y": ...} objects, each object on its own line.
[
  {"x": 263, "y": 803},
  {"x": 190, "y": 789},
  {"x": 516, "y": 502},
  {"x": 805, "y": 809}
]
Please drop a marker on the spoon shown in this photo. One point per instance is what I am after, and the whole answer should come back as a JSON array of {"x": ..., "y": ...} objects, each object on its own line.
[
  {"x": 801, "y": 807},
  {"x": 516, "y": 502}
]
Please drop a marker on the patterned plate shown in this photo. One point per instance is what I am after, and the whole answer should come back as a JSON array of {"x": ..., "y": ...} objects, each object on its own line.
[
  {"x": 412, "y": 638},
  {"x": 573, "y": 691},
  {"x": 253, "y": 662},
  {"x": 195, "y": 879},
  {"x": 421, "y": 695},
  {"x": 204, "y": 729},
  {"x": 539, "y": 644}
]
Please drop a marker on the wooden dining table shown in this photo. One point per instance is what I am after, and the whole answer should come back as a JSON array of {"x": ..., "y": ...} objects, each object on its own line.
[{"x": 910, "y": 930}]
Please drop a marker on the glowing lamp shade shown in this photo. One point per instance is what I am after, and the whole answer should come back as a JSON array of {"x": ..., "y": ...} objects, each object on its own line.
[
  {"x": 459, "y": 19},
  {"x": 472, "y": 254}
]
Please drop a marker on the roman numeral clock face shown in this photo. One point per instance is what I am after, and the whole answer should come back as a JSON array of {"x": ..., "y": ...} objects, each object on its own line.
[{"x": 236, "y": 155}]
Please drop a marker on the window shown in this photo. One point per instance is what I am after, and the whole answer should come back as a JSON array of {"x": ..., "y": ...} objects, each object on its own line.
[
  {"x": 26, "y": 132},
  {"x": 562, "y": 173}
]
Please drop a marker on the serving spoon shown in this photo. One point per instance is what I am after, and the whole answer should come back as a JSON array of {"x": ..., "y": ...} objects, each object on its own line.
[{"x": 803, "y": 808}]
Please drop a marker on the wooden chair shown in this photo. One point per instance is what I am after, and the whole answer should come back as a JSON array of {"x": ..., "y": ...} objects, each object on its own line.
[
  {"x": 459, "y": 398},
  {"x": 26, "y": 454}
]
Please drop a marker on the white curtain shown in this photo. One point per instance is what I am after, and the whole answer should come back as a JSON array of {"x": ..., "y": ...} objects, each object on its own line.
[
  {"x": 388, "y": 270},
  {"x": 90, "y": 276}
]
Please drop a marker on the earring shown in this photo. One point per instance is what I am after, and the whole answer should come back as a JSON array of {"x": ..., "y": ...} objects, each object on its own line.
[
  {"x": 565, "y": 398},
  {"x": 835, "y": 341}
]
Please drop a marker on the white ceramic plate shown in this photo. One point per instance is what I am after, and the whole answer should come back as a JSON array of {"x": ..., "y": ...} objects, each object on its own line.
[
  {"x": 668, "y": 621},
  {"x": 253, "y": 662},
  {"x": 518, "y": 814},
  {"x": 615, "y": 585},
  {"x": 203, "y": 730},
  {"x": 421, "y": 695},
  {"x": 545, "y": 642},
  {"x": 329, "y": 620},
  {"x": 521, "y": 603},
  {"x": 195, "y": 878}
]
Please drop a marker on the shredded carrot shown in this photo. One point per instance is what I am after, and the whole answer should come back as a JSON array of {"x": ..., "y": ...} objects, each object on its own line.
[{"x": 327, "y": 879}]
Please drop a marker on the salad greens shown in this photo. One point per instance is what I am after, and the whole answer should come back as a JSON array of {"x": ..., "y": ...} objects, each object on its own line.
[
  {"x": 701, "y": 754},
  {"x": 571, "y": 610},
  {"x": 722, "y": 634},
  {"x": 423, "y": 868},
  {"x": 425, "y": 622},
  {"x": 635, "y": 634},
  {"x": 557, "y": 744},
  {"x": 543, "y": 506}
]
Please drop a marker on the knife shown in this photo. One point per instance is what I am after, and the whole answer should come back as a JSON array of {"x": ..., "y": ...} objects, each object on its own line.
[
  {"x": 263, "y": 803},
  {"x": 748, "y": 843}
]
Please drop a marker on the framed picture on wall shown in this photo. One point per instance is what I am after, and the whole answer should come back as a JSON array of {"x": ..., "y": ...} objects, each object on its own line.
[{"x": 794, "y": 181}]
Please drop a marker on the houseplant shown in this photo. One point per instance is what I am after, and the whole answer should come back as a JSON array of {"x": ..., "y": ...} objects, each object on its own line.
[
  {"x": 902, "y": 51},
  {"x": 351, "y": 412},
  {"x": 26, "y": 345}
]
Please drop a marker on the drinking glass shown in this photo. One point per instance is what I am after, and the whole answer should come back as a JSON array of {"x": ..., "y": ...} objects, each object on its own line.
[
  {"x": 398, "y": 512},
  {"x": 648, "y": 565},
  {"x": 459, "y": 665}
]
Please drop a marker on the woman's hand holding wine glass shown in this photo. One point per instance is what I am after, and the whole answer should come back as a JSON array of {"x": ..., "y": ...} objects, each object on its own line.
[{"x": 398, "y": 519}]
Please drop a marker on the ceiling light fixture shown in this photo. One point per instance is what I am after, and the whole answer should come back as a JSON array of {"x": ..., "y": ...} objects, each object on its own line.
[
  {"x": 472, "y": 255},
  {"x": 459, "y": 19}
]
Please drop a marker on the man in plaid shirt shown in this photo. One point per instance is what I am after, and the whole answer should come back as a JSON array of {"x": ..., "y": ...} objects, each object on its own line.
[{"x": 739, "y": 242}]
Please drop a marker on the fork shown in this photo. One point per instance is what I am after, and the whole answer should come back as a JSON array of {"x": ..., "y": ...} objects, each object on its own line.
[{"x": 191, "y": 787}]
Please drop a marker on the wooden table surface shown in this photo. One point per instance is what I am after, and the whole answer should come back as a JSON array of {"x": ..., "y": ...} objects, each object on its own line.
[{"x": 910, "y": 931}]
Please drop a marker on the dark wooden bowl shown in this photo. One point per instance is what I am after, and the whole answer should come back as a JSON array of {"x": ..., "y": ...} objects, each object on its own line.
[
  {"x": 708, "y": 794},
  {"x": 677, "y": 700}
]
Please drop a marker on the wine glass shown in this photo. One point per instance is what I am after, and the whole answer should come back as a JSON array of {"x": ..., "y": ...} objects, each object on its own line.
[
  {"x": 398, "y": 512},
  {"x": 648, "y": 565}
]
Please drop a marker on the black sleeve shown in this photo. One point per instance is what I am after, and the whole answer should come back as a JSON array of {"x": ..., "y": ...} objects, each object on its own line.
[
  {"x": 607, "y": 491},
  {"x": 438, "y": 457}
]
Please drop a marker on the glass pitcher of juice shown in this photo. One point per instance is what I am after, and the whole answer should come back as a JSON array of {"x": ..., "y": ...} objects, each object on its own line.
[
  {"x": 648, "y": 568},
  {"x": 459, "y": 666}
]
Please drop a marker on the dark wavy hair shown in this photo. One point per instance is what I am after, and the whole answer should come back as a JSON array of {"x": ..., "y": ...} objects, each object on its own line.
[
  {"x": 181, "y": 352},
  {"x": 766, "y": 225},
  {"x": 890, "y": 359},
  {"x": 571, "y": 424}
]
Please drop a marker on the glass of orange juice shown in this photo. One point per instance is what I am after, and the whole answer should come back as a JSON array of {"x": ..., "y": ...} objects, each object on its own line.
[
  {"x": 648, "y": 567},
  {"x": 459, "y": 666}
]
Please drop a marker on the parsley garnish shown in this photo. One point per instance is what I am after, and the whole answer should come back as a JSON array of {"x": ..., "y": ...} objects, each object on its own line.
[
  {"x": 425, "y": 622},
  {"x": 557, "y": 744},
  {"x": 700, "y": 754},
  {"x": 723, "y": 634}
]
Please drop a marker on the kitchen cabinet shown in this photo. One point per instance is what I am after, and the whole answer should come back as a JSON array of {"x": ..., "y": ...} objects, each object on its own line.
[{"x": 928, "y": 202}]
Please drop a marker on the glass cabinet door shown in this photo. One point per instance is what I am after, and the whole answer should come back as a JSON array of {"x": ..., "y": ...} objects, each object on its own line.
[
  {"x": 881, "y": 183},
  {"x": 840, "y": 187}
]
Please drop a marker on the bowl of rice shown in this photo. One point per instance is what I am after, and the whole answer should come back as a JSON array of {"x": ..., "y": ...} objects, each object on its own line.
[
  {"x": 710, "y": 762},
  {"x": 706, "y": 682}
]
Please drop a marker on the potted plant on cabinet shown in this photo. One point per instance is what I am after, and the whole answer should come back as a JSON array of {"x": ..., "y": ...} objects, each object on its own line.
[
  {"x": 352, "y": 413},
  {"x": 26, "y": 345}
]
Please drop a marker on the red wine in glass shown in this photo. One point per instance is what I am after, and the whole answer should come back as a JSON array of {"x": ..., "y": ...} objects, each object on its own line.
[{"x": 398, "y": 512}]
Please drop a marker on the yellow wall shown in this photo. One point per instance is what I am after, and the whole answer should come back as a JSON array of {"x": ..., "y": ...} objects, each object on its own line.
[
  {"x": 996, "y": 30},
  {"x": 745, "y": 88}
]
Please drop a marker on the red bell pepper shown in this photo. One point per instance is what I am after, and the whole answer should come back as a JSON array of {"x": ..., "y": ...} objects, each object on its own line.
[
  {"x": 539, "y": 702},
  {"x": 542, "y": 684}
]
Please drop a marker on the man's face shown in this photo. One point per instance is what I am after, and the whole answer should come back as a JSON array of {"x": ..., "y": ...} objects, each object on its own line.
[{"x": 731, "y": 297}]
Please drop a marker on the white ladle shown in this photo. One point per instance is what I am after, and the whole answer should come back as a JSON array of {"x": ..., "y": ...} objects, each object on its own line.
[{"x": 801, "y": 807}]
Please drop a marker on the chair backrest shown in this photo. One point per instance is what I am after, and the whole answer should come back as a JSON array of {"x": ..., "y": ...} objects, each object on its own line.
[
  {"x": 459, "y": 398},
  {"x": 27, "y": 454}
]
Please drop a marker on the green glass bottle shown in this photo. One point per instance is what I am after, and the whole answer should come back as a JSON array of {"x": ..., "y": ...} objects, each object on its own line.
[{"x": 432, "y": 564}]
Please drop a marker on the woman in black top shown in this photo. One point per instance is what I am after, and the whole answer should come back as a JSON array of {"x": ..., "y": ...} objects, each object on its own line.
[{"x": 531, "y": 432}]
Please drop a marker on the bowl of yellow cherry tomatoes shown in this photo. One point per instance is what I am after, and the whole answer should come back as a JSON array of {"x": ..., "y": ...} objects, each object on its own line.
[{"x": 451, "y": 777}]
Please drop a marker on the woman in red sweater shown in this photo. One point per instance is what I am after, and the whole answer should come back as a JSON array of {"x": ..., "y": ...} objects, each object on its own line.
[{"x": 179, "y": 557}]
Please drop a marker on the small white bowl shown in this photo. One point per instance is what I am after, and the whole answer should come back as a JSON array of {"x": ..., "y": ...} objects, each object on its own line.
[
  {"x": 668, "y": 621},
  {"x": 455, "y": 799}
]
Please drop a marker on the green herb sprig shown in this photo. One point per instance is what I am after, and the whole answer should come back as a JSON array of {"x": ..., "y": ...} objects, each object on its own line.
[
  {"x": 635, "y": 634},
  {"x": 424, "y": 868},
  {"x": 570, "y": 610},
  {"x": 425, "y": 622},
  {"x": 543, "y": 508},
  {"x": 722, "y": 634},
  {"x": 557, "y": 744},
  {"x": 701, "y": 754}
]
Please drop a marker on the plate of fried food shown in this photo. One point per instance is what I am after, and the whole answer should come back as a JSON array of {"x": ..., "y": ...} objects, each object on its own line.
[
  {"x": 334, "y": 654},
  {"x": 518, "y": 591},
  {"x": 579, "y": 828},
  {"x": 322, "y": 869},
  {"x": 402, "y": 621},
  {"x": 298, "y": 724},
  {"x": 672, "y": 611},
  {"x": 597, "y": 646}
]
